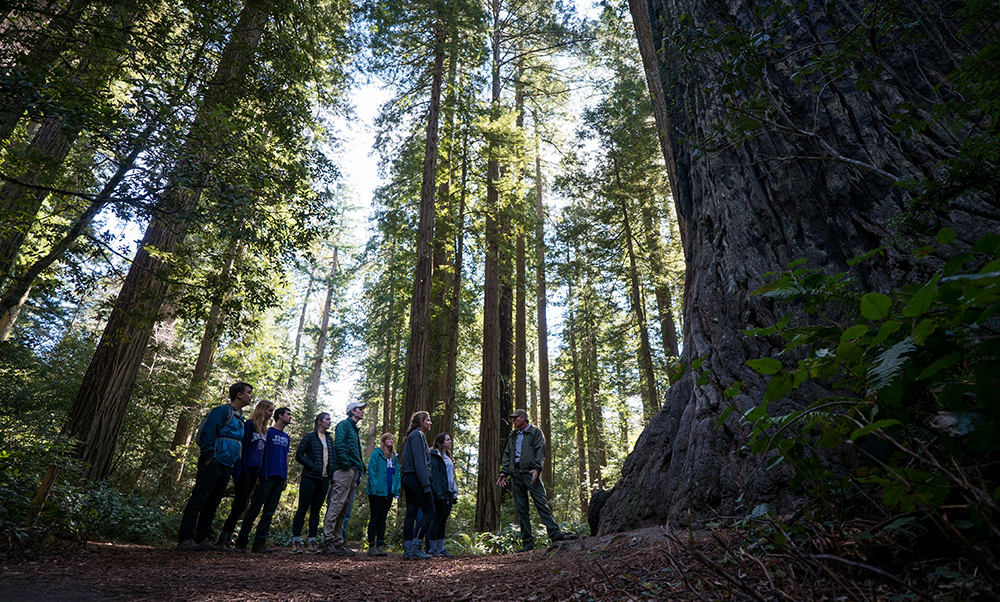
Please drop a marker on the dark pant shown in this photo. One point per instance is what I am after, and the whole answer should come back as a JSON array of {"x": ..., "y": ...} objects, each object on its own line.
[
  {"x": 266, "y": 496},
  {"x": 243, "y": 486},
  {"x": 209, "y": 486},
  {"x": 442, "y": 511},
  {"x": 416, "y": 498},
  {"x": 522, "y": 488},
  {"x": 378, "y": 506},
  {"x": 312, "y": 494}
]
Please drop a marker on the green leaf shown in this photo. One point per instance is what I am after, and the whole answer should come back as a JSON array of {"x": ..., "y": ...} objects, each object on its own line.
[
  {"x": 734, "y": 389},
  {"x": 946, "y": 236},
  {"x": 765, "y": 365},
  {"x": 861, "y": 258},
  {"x": 870, "y": 428},
  {"x": 989, "y": 243},
  {"x": 940, "y": 364},
  {"x": 755, "y": 414},
  {"x": 924, "y": 330},
  {"x": 875, "y": 306},
  {"x": 885, "y": 330},
  {"x": 779, "y": 386},
  {"x": 923, "y": 299},
  {"x": 853, "y": 333},
  {"x": 725, "y": 414}
]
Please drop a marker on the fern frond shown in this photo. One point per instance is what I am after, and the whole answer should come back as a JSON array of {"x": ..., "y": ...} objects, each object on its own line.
[{"x": 889, "y": 364}]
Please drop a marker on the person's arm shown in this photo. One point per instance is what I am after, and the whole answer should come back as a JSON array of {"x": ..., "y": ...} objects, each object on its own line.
[
  {"x": 538, "y": 447},
  {"x": 341, "y": 442},
  {"x": 303, "y": 455},
  {"x": 210, "y": 431},
  {"x": 420, "y": 459},
  {"x": 504, "y": 463}
]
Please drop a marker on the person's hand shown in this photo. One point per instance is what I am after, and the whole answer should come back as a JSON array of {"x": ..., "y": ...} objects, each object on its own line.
[
  {"x": 502, "y": 481},
  {"x": 534, "y": 476}
]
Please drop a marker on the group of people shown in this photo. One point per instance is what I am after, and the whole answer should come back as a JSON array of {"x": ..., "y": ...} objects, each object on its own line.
[{"x": 255, "y": 456}]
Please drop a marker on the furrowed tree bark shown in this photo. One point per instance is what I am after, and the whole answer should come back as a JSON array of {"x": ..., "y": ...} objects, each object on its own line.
[
  {"x": 95, "y": 419},
  {"x": 420, "y": 310},
  {"x": 818, "y": 182}
]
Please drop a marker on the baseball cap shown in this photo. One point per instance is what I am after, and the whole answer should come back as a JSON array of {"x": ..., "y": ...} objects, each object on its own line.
[
  {"x": 520, "y": 413},
  {"x": 355, "y": 404}
]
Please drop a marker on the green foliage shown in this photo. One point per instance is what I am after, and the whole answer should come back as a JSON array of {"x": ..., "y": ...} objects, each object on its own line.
[{"x": 915, "y": 381}]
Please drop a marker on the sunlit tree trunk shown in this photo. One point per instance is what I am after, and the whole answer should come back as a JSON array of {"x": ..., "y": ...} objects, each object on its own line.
[
  {"x": 545, "y": 419},
  {"x": 95, "y": 419},
  {"x": 298, "y": 333}
]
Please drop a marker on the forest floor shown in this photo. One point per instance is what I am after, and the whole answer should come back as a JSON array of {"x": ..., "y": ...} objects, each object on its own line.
[{"x": 649, "y": 564}]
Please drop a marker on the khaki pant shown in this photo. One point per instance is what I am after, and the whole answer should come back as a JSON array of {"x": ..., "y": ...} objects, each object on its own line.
[{"x": 336, "y": 506}]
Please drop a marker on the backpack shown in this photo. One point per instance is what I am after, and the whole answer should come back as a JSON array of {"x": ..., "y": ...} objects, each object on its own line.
[{"x": 201, "y": 426}]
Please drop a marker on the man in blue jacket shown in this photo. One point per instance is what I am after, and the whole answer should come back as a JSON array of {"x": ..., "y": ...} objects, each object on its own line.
[
  {"x": 220, "y": 440},
  {"x": 348, "y": 467}
]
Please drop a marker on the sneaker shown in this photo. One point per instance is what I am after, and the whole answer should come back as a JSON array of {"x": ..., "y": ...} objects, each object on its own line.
[
  {"x": 313, "y": 548},
  {"x": 189, "y": 545},
  {"x": 298, "y": 548},
  {"x": 209, "y": 544},
  {"x": 238, "y": 550}
]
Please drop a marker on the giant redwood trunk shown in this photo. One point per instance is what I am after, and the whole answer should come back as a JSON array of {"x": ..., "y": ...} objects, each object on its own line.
[
  {"x": 96, "y": 417},
  {"x": 816, "y": 180}
]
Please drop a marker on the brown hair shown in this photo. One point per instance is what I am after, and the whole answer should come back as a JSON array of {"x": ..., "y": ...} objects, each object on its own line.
[
  {"x": 439, "y": 442},
  {"x": 415, "y": 421}
]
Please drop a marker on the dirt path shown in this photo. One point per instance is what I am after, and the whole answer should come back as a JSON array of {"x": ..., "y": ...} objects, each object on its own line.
[{"x": 610, "y": 568}]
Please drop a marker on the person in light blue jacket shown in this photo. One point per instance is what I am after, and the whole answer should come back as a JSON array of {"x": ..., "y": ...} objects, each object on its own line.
[
  {"x": 220, "y": 440},
  {"x": 384, "y": 478}
]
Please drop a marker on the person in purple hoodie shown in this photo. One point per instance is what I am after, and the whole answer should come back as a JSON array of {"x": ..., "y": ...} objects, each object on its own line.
[
  {"x": 270, "y": 483},
  {"x": 245, "y": 471}
]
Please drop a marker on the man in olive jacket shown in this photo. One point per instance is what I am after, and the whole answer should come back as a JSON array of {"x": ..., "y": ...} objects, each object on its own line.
[
  {"x": 348, "y": 467},
  {"x": 523, "y": 457}
]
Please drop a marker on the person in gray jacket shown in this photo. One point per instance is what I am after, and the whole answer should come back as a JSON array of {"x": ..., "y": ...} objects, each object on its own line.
[
  {"x": 415, "y": 464},
  {"x": 316, "y": 455},
  {"x": 523, "y": 458}
]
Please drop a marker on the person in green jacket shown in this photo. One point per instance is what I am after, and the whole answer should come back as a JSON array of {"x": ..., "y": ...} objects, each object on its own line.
[
  {"x": 348, "y": 467},
  {"x": 384, "y": 478},
  {"x": 523, "y": 458}
]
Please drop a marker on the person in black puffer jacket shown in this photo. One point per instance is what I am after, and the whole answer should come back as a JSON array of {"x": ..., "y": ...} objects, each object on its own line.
[{"x": 316, "y": 455}]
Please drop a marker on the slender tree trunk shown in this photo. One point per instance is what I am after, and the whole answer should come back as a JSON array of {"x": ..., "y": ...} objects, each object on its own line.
[
  {"x": 651, "y": 225},
  {"x": 22, "y": 195},
  {"x": 298, "y": 333},
  {"x": 543, "y": 333},
  {"x": 95, "y": 420},
  {"x": 16, "y": 295},
  {"x": 650, "y": 401},
  {"x": 418, "y": 350},
  {"x": 317, "y": 370},
  {"x": 191, "y": 409},
  {"x": 578, "y": 402}
]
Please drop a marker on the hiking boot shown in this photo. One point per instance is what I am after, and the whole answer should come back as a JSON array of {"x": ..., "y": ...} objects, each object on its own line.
[
  {"x": 298, "y": 548},
  {"x": 345, "y": 552},
  {"x": 238, "y": 550},
  {"x": 564, "y": 536},
  {"x": 209, "y": 544},
  {"x": 414, "y": 551},
  {"x": 329, "y": 550},
  {"x": 225, "y": 540},
  {"x": 189, "y": 545},
  {"x": 260, "y": 547},
  {"x": 526, "y": 548},
  {"x": 313, "y": 548},
  {"x": 445, "y": 554},
  {"x": 380, "y": 551}
]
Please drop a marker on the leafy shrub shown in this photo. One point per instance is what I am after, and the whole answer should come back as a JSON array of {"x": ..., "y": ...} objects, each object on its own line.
[{"x": 915, "y": 382}]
